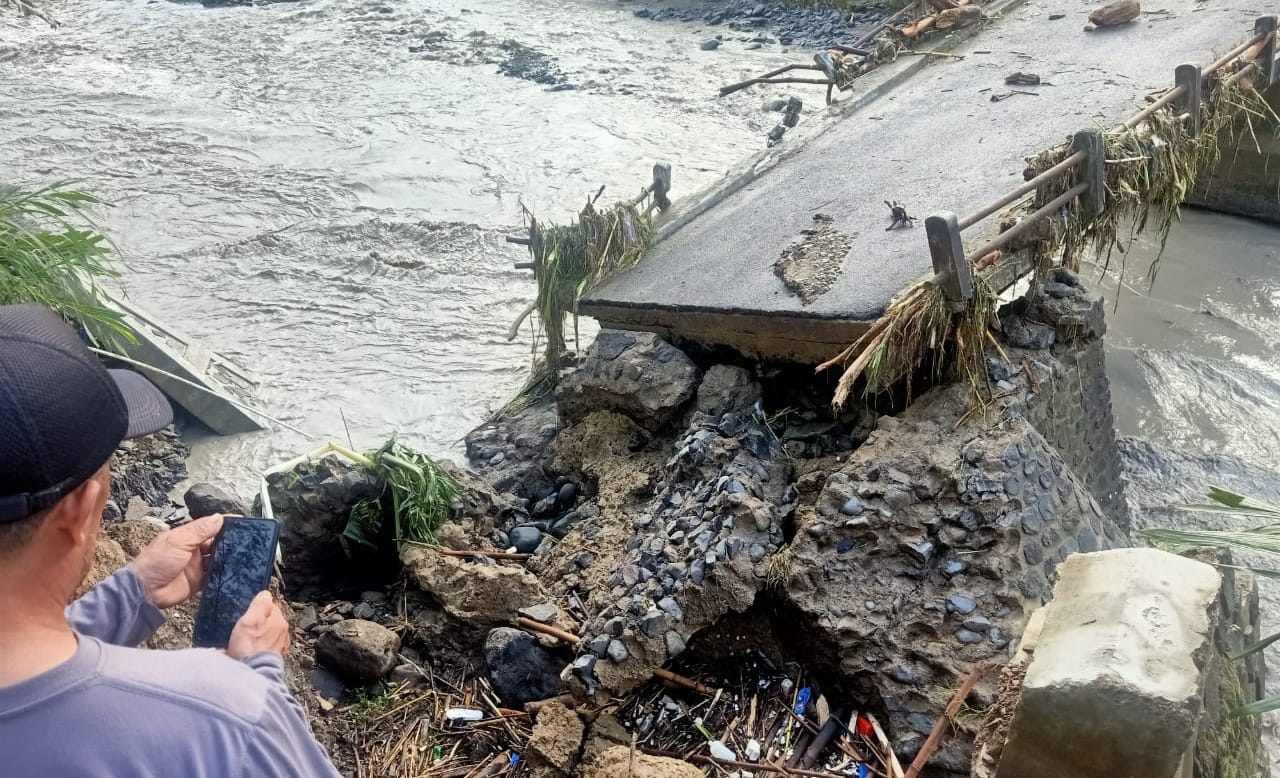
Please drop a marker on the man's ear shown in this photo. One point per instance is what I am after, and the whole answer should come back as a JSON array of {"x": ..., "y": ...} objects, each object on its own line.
[{"x": 73, "y": 517}]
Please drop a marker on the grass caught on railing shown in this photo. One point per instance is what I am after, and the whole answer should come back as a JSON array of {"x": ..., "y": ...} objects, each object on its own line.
[
  {"x": 1152, "y": 168},
  {"x": 52, "y": 253},
  {"x": 917, "y": 326},
  {"x": 571, "y": 259}
]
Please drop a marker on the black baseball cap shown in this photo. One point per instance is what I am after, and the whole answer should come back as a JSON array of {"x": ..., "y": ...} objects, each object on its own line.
[{"x": 62, "y": 413}]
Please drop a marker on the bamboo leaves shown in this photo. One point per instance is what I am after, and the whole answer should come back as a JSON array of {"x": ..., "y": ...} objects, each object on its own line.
[
  {"x": 1264, "y": 537},
  {"x": 421, "y": 496},
  {"x": 52, "y": 253}
]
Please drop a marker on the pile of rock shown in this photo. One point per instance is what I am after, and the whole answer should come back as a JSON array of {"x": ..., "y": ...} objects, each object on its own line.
[
  {"x": 655, "y": 495},
  {"x": 143, "y": 471},
  {"x": 774, "y": 22}
]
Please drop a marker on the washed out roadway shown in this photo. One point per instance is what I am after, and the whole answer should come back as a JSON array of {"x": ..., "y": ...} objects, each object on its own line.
[{"x": 934, "y": 142}]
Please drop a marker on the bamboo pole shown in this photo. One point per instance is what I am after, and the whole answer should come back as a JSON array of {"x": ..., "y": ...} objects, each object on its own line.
[
  {"x": 547, "y": 629},
  {"x": 688, "y": 683},
  {"x": 940, "y": 726}
]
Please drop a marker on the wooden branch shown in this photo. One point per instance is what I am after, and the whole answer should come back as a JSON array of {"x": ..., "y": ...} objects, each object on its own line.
[
  {"x": 940, "y": 726},
  {"x": 490, "y": 554},
  {"x": 514, "y": 329},
  {"x": 688, "y": 683},
  {"x": 547, "y": 629},
  {"x": 727, "y": 90},
  {"x": 537, "y": 705}
]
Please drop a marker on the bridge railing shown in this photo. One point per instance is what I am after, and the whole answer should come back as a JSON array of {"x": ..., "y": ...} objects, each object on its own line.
[{"x": 1086, "y": 165}]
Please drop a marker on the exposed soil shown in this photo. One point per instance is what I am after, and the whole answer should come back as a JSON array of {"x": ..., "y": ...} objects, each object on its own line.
[{"x": 812, "y": 265}]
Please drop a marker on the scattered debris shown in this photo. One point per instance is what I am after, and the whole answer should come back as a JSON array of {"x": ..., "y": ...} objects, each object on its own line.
[
  {"x": 1114, "y": 14},
  {"x": 1028, "y": 79},
  {"x": 898, "y": 214},
  {"x": 995, "y": 98}
]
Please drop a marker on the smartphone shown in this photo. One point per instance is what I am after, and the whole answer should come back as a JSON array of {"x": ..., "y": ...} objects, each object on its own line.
[{"x": 244, "y": 554}]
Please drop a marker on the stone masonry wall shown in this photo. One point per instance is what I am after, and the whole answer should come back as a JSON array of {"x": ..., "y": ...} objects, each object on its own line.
[{"x": 1058, "y": 329}]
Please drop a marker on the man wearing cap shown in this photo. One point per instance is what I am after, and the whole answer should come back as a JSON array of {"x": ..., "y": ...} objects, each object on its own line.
[{"x": 76, "y": 697}]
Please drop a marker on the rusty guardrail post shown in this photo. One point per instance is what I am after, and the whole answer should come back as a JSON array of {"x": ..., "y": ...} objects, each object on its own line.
[
  {"x": 950, "y": 266},
  {"x": 1190, "y": 79},
  {"x": 1093, "y": 171},
  {"x": 1267, "y": 57}
]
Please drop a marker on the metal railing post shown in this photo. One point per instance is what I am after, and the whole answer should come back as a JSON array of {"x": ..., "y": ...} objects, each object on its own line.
[
  {"x": 1190, "y": 79},
  {"x": 950, "y": 266},
  {"x": 1092, "y": 172},
  {"x": 1267, "y": 57}
]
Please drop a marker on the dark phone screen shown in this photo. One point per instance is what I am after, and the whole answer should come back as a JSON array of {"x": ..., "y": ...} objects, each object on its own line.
[{"x": 243, "y": 555}]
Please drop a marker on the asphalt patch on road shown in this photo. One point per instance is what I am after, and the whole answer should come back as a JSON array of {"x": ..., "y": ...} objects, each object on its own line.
[{"x": 812, "y": 265}]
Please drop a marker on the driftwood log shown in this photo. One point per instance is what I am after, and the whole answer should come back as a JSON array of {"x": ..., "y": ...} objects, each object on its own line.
[{"x": 1114, "y": 14}]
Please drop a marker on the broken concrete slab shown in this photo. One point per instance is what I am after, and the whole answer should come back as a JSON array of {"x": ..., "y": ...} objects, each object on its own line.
[
  {"x": 966, "y": 151},
  {"x": 1116, "y": 684}
]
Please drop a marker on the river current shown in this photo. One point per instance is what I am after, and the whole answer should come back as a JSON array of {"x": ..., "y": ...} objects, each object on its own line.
[{"x": 320, "y": 191}]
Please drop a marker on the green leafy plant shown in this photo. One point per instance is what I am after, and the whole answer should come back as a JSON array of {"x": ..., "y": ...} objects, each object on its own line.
[
  {"x": 420, "y": 492},
  {"x": 1264, "y": 537},
  {"x": 52, "y": 253}
]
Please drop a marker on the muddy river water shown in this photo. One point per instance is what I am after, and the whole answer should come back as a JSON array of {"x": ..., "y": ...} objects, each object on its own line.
[{"x": 299, "y": 189}]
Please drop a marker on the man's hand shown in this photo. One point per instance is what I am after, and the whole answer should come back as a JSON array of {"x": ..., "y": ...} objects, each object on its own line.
[
  {"x": 171, "y": 567},
  {"x": 262, "y": 628}
]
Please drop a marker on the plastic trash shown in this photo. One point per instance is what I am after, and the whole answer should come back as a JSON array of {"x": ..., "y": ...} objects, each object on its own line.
[
  {"x": 802, "y": 701},
  {"x": 753, "y": 750},
  {"x": 864, "y": 728},
  {"x": 514, "y": 760},
  {"x": 461, "y": 715},
  {"x": 722, "y": 752},
  {"x": 863, "y": 770}
]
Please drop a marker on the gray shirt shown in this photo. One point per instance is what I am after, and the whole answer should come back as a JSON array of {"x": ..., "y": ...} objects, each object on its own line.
[{"x": 114, "y": 711}]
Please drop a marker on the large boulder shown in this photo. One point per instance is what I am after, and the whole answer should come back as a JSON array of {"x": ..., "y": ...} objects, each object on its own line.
[
  {"x": 520, "y": 670},
  {"x": 726, "y": 389},
  {"x": 636, "y": 374},
  {"x": 485, "y": 594},
  {"x": 360, "y": 651},
  {"x": 507, "y": 449},
  {"x": 313, "y": 503},
  {"x": 205, "y": 499}
]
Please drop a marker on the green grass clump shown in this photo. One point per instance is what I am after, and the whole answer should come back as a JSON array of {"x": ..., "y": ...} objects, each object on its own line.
[
  {"x": 52, "y": 253},
  {"x": 420, "y": 494}
]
